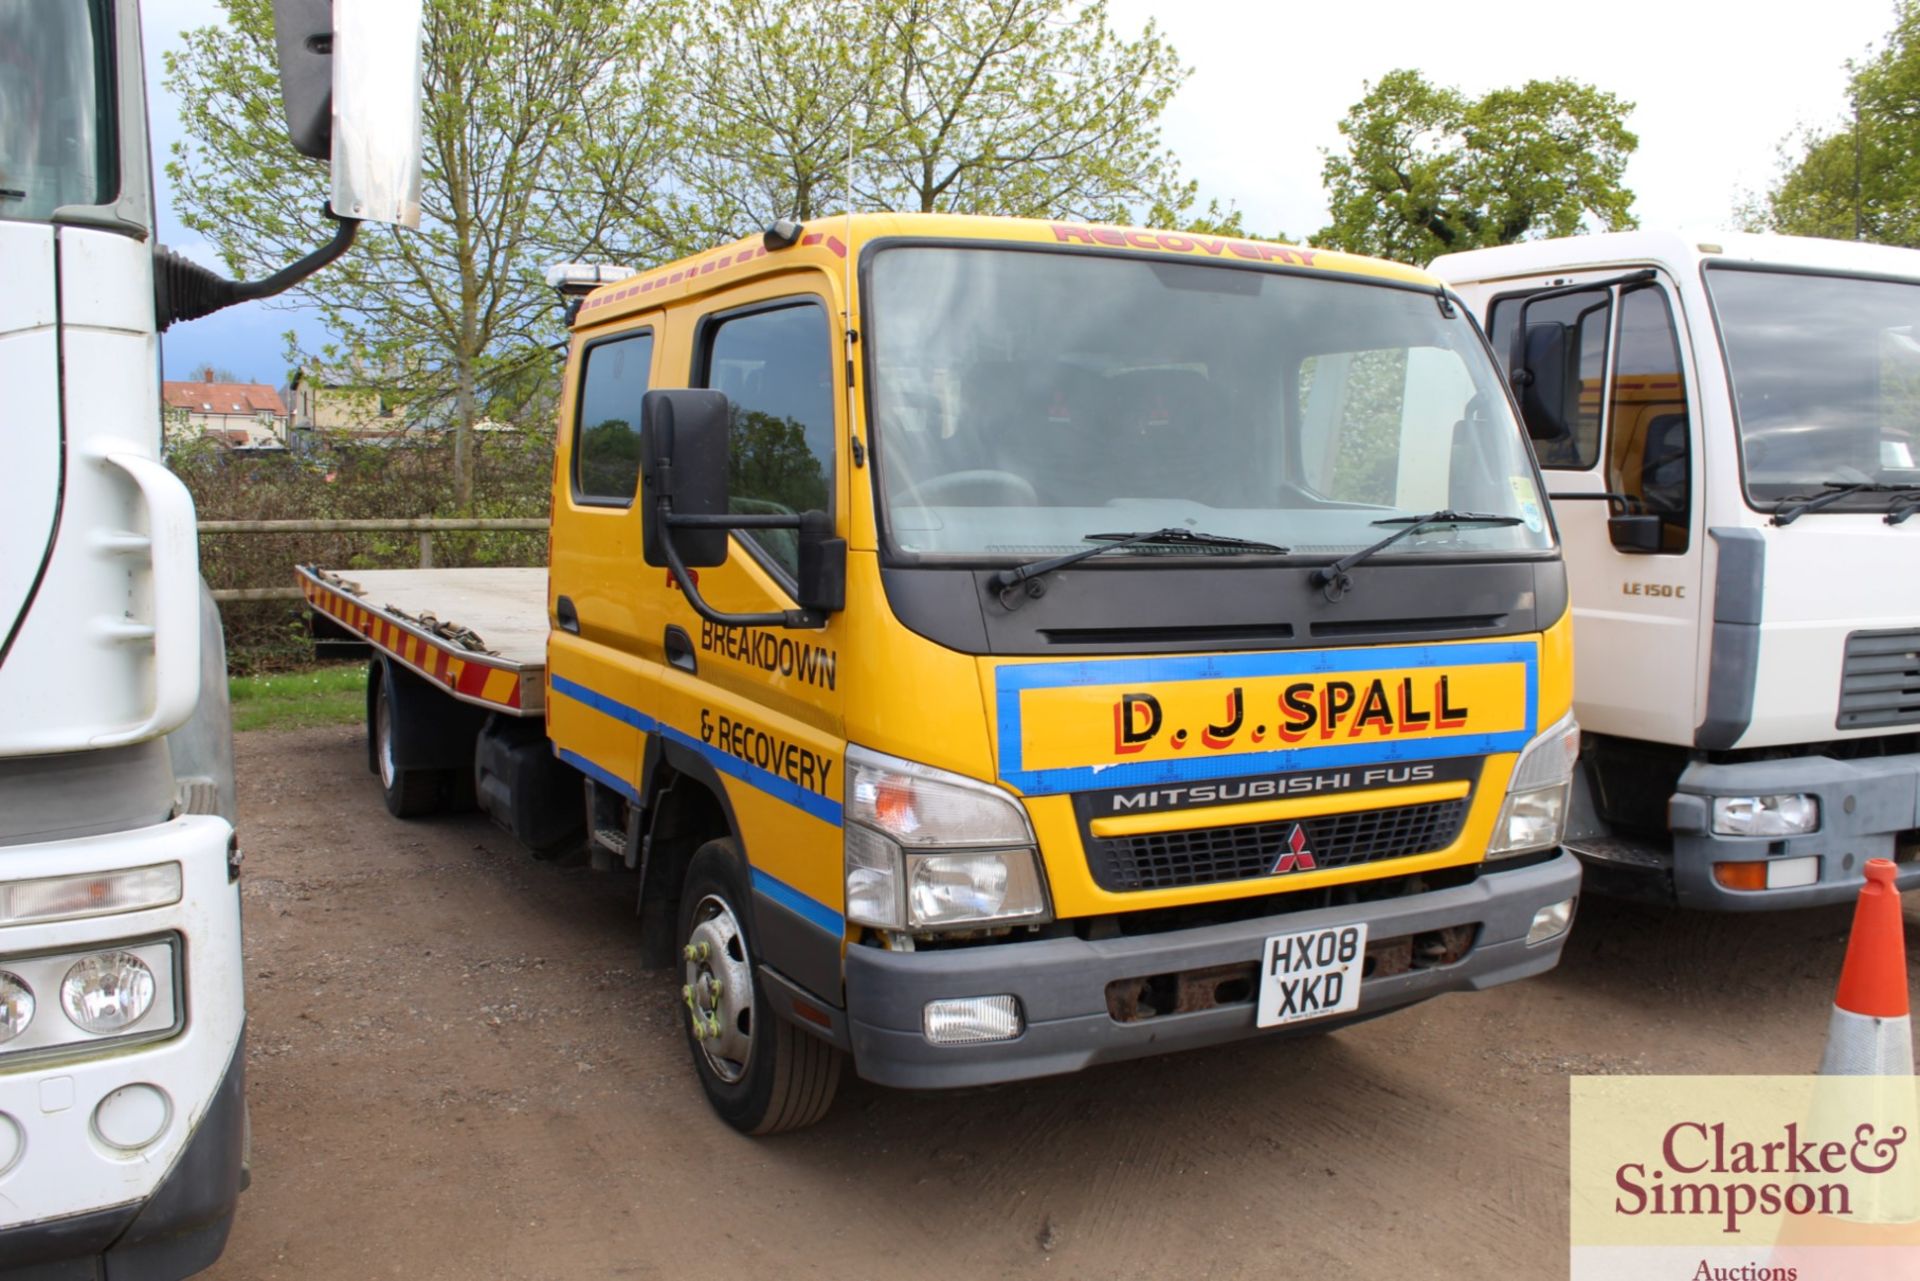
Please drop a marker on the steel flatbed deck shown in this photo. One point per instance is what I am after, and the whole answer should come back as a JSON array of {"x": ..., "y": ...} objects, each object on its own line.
[{"x": 481, "y": 634}]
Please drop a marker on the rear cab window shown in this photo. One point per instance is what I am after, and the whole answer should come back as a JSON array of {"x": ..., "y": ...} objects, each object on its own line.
[{"x": 606, "y": 440}]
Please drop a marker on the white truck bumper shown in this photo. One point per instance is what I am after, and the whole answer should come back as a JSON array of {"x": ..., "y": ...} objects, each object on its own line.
[{"x": 66, "y": 1194}]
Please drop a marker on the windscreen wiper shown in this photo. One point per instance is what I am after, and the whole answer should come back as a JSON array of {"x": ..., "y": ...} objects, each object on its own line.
[
  {"x": 1335, "y": 580},
  {"x": 1792, "y": 509},
  {"x": 1903, "y": 506},
  {"x": 1007, "y": 579}
]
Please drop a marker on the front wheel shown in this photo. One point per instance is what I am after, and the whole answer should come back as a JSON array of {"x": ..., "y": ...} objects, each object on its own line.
[{"x": 761, "y": 1073}]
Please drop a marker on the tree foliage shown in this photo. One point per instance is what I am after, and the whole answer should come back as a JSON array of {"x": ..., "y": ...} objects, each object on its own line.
[
  {"x": 1861, "y": 180},
  {"x": 1426, "y": 170},
  {"x": 1031, "y": 108},
  {"x": 640, "y": 130},
  {"x": 531, "y": 108}
]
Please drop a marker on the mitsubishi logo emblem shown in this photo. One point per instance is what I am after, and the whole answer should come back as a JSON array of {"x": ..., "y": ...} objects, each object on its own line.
[{"x": 1297, "y": 858}]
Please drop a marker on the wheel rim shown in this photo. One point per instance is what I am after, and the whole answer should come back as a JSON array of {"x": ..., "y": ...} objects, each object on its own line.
[
  {"x": 719, "y": 988},
  {"x": 383, "y": 736}
]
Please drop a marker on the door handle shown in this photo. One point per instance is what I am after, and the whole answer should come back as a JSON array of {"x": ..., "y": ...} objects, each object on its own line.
[
  {"x": 679, "y": 647},
  {"x": 565, "y": 614}
]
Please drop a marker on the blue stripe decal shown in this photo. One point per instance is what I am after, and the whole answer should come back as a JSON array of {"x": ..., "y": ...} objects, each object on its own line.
[
  {"x": 601, "y": 703},
  {"x": 824, "y": 808},
  {"x": 599, "y": 774},
  {"x": 1012, "y": 680},
  {"x": 794, "y": 901}
]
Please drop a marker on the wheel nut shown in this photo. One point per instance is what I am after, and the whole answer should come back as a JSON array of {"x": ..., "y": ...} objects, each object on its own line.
[{"x": 713, "y": 988}]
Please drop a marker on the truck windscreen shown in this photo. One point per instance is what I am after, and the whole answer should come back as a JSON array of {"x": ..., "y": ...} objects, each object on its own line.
[
  {"x": 1826, "y": 381},
  {"x": 56, "y": 143},
  {"x": 1021, "y": 400}
]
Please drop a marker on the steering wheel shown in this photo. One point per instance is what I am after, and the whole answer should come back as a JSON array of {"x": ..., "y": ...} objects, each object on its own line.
[{"x": 1013, "y": 490}]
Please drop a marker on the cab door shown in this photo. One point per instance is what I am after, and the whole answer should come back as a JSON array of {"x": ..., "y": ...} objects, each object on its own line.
[
  {"x": 763, "y": 704},
  {"x": 595, "y": 617},
  {"x": 1624, "y": 483}
]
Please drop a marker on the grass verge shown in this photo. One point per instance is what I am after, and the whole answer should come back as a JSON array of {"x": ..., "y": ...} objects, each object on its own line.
[{"x": 334, "y": 695}]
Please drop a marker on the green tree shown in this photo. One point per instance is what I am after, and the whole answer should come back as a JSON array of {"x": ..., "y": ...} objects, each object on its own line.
[
  {"x": 533, "y": 110},
  {"x": 1032, "y": 108},
  {"x": 1035, "y": 108},
  {"x": 1861, "y": 180},
  {"x": 1426, "y": 170}
]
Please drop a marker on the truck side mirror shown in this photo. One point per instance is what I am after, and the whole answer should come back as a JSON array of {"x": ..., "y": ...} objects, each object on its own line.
[
  {"x": 1639, "y": 534},
  {"x": 685, "y": 518},
  {"x": 303, "y": 32},
  {"x": 683, "y": 460},
  {"x": 350, "y": 86},
  {"x": 1547, "y": 383}
]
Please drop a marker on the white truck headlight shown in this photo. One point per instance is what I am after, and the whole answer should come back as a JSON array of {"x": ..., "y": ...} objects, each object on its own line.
[
  {"x": 1793, "y": 815},
  {"x": 1535, "y": 814},
  {"x": 16, "y": 1006},
  {"x": 927, "y": 849},
  {"x": 107, "y": 991}
]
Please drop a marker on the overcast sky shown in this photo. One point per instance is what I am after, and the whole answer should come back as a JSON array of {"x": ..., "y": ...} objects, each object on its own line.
[{"x": 1717, "y": 87}]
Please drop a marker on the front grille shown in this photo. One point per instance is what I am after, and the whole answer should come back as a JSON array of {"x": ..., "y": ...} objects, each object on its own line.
[
  {"x": 1204, "y": 855},
  {"x": 1880, "y": 680}
]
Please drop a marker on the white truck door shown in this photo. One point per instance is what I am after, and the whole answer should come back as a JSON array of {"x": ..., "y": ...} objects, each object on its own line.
[
  {"x": 1633, "y": 451},
  {"x": 29, "y": 370}
]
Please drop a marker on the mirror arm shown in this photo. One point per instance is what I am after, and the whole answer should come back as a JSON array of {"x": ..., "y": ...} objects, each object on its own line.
[
  {"x": 184, "y": 290},
  {"x": 803, "y": 619}
]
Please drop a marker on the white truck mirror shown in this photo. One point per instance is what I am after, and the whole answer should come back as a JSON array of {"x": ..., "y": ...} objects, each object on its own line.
[
  {"x": 350, "y": 85},
  {"x": 376, "y": 110}
]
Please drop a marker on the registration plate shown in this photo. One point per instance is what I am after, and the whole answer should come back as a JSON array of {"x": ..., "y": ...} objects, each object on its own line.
[{"x": 1311, "y": 975}]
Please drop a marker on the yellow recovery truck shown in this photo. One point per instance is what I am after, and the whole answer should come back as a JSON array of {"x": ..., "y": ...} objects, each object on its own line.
[{"x": 1001, "y": 647}]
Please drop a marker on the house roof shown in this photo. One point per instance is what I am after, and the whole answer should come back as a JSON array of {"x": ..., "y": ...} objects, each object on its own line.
[{"x": 223, "y": 398}]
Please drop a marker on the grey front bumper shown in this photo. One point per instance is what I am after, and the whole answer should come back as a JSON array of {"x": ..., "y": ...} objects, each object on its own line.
[
  {"x": 1868, "y": 807},
  {"x": 1062, "y": 983}
]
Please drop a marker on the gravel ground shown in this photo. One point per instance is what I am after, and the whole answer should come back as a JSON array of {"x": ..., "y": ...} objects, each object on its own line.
[{"x": 459, "y": 1069}]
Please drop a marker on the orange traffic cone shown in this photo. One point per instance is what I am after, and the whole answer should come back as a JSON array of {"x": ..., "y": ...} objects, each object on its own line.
[
  {"x": 1878, "y": 1235},
  {"x": 1871, "y": 1033}
]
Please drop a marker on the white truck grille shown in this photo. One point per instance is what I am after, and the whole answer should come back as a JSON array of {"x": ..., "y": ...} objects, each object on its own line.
[{"x": 1880, "y": 680}]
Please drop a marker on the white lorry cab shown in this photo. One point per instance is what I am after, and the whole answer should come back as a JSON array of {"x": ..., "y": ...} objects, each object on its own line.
[
  {"x": 122, "y": 1056},
  {"x": 1730, "y": 431}
]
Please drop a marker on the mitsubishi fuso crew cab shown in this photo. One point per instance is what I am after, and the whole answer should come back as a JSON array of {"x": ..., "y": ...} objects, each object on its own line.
[
  {"x": 1730, "y": 430},
  {"x": 123, "y": 1135},
  {"x": 1001, "y": 647}
]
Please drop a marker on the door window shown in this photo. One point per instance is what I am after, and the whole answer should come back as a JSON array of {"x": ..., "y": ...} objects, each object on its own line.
[
  {"x": 776, "y": 366},
  {"x": 606, "y": 444},
  {"x": 1649, "y": 455}
]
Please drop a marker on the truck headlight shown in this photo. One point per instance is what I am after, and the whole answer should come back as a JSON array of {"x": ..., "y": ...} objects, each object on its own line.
[
  {"x": 1534, "y": 816},
  {"x": 16, "y": 1006},
  {"x": 927, "y": 849},
  {"x": 107, "y": 991},
  {"x": 1793, "y": 815}
]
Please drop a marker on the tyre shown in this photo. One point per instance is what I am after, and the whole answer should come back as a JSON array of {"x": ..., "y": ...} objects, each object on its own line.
[
  {"x": 761, "y": 1073},
  {"x": 409, "y": 793}
]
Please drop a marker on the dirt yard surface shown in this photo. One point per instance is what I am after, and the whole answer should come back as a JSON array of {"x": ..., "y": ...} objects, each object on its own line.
[{"x": 458, "y": 1069}]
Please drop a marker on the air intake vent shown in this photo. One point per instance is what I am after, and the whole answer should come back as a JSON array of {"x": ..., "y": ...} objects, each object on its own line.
[{"x": 1880, "y": 681}]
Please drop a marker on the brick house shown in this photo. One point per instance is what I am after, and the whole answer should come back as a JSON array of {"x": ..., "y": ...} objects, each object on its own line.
[{"x": 238, "y": 415}]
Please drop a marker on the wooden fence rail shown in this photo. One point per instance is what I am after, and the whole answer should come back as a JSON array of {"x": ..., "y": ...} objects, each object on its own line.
[{"x": 425, "y": 526}]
